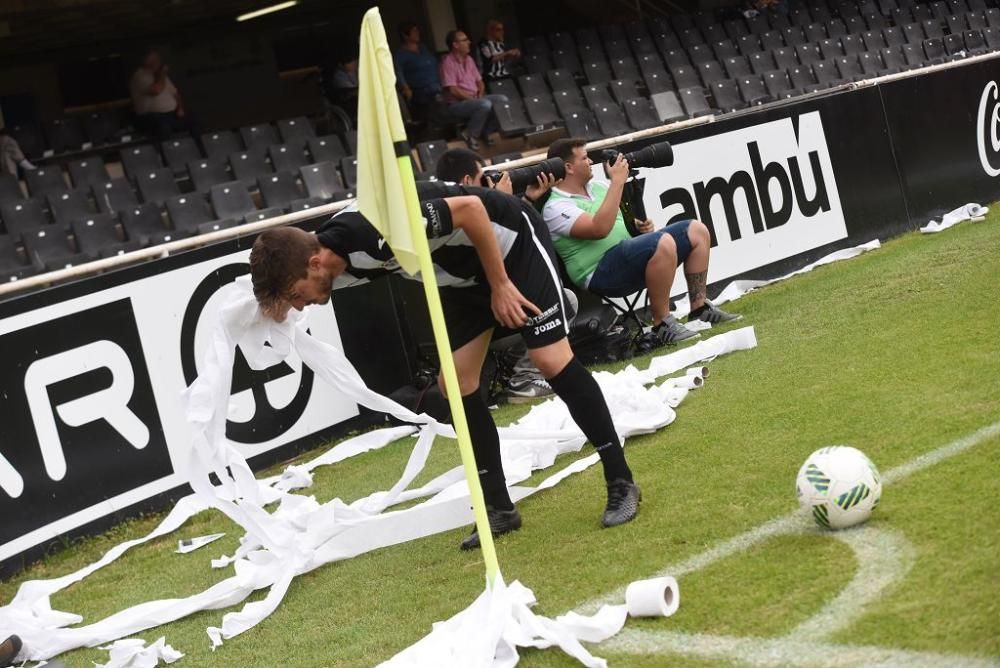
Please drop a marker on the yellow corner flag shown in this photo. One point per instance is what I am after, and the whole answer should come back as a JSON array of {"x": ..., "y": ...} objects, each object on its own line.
[{"x": 387, "y": 197}]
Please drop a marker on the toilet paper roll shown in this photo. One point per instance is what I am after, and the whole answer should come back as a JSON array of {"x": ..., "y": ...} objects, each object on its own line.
[
  {"x": 658, "y": 597},
  {"x": 687, "y": 382},
  {"x": 700, "y": 371}
]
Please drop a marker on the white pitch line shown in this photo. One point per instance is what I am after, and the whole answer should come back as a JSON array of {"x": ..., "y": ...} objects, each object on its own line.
[
  {"x": 798, "y": 518},
  {"x": 782, "y": 652}
]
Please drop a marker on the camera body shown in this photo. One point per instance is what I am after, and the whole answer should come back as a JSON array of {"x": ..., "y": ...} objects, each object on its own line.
[{"x": 522, "y": 177}]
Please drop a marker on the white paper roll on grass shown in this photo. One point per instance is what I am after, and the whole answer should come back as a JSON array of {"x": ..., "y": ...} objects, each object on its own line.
[
  {"x": 658, "y": 597},
  {"x": 700, "y": 371},
  {"x": 687, "y": 382}
]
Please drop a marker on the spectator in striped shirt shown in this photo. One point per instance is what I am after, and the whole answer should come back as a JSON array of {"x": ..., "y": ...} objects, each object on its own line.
[{"x": 496, "y": 57}]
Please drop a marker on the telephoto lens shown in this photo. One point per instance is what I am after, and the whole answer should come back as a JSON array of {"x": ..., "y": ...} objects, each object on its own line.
[
  {"x": 522, "y": 177},
  {"x": 655, "y": 155}
]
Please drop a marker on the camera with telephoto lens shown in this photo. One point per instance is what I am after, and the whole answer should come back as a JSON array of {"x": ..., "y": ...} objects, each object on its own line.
[
  {"x": 522, "y": 177},
  {"x": 654, "y": 155}
]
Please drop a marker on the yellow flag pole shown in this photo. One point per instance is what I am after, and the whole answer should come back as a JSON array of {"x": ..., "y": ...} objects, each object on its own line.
[{"x": 448, "y": 369}]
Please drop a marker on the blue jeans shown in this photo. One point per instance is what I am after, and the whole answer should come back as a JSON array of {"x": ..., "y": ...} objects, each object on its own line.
[
  {"x": 622, "y": 270},
  {"x": 477, "y": 113}
]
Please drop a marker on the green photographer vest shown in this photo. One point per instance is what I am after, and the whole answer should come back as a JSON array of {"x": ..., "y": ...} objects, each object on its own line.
[{"x": 581, "y": 256}]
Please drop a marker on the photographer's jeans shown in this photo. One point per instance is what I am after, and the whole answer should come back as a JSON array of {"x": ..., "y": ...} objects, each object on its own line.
[
  {"x": 478, "y": 114},
  {"x": 622, "y": 270}
]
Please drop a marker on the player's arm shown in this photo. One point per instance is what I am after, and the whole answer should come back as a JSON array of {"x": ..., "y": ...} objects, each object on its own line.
[
  {"x": 469, "y": 214},
  {"x": 598, "y": 225}
]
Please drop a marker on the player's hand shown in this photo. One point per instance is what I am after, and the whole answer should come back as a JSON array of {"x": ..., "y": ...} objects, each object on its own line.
[
  {"x": 504, "y": 185},
  {"x": 541, "y": 186},
  {"x": 509, "y": 305},
  {"x": 618, "y": 170},
  {"x": 643, "y": 225}
]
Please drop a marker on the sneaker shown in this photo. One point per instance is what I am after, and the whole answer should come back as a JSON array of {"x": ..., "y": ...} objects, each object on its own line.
[
  {"x": 623, "y": 502},
  {"x": 501, "y": 522},
  {"x": 536, "y": 388},
  {"x": 470, "y": 141},
  {"x": 9, "y": 650},
  {"x": 713, "y": 314},
  {"x": 670, "y": 331}
]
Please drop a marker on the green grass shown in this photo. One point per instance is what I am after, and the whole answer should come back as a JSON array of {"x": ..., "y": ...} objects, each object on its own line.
[{"x": 894, "y": 352}]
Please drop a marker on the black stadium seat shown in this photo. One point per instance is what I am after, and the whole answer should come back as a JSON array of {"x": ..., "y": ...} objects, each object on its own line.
[
  {"x": 179, "y": 152},
  {"x": 569, "y": 101},
  {"x": 70, "y": 205},
  {"x": 322, "y": 180},
  {"x": 29, "y": 138},
  {"x": 776, "y": 82},
  {"x": 640, "y": 114},
  {"x": 187, "y": 212},
  {"x": 623, "y": 89},
  {"x": 144, "y": 223},
  {"x": 216, "y": 225},
  {"x": 157, "y": 185},
  {"x": 611, "y": 121},
  {"x": 114, "y": 196},
  {"x": 726, "y": 95},
  {"x": 349, "y": 171},
  {"x": 10, "y": 189},
  {"x": 542, "y": 111},
  {"x": 597, "y": 72},
  {"x": 510, "y": 117},
  {"x": 100, "y": 235},
  {"x": 259, "y": 136},
  {"x": 231, "y": 200},
  {"x": 668, "y": 107},
  {"x": 262, "y": 214},
  {"x": 288, "y": 157},
  {"x": 752, "y": 90},
  {"x": 88, "y": 171},
  {"x": 22, "y": 215},
  {"x": 50, "y": 248},
  {"x": 13, "y": 263},
  {"x": 221, "y": 144},
  {"x": 597, "y": 96},
  {"x": 207, "y": 172},
  {"x": 327, "y": 148},
  {"x": 430, "y": 152},
  {"x": 63, "y": 134},
  {"x": 693, "y": 101},
  {"x": 45, "y": 180},
  {"x": 658, "y": 82},
  {"x": 305, "y": 203},
  {"x": 101, "y": 127},
  {"x": 582, "y": 124},
  {"x": 249, "y": 165},
  {"x": 139, "y": 159},
  {"x": 532, "y": 85},
  {"x": 279, "y": 189},
  {"x": 296, "y": 131},
  {"x": 685, "y": 77}
]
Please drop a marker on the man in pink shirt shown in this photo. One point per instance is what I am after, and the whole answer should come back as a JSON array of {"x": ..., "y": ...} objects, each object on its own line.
[{"x": 465, "y": 92}]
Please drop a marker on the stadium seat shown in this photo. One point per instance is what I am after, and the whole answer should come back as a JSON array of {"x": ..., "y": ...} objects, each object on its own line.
[
  {"x": 785, "y": 58},
  {"x": 261, "y": 214},
  {"x": 187, "y": 212},
  {"x": 10, "y": 189},
  {"x": 623, "y": 89},
  {"x": 690, "y": 37},
  {"x": 597, "y": 96},
  {"x": 568, "y": 101},
  {"x": 566, "y": 61},
  {"x": 934, "y": 50},
  {"x": 70, "y": 205},
  {"x": 157, "y": 185},
  {"x": 802, "y": 77},
  {"x": 914, "y": 33},
  {"x": 736, "y": 66},
  {"x": 542, "y": 111},
  {"x": 50, "y": 247},
  {"x": 815, "y": 32},
  {"x": 179, "y": 152},
  {"x": 23, "y": 215},
  {"x": 668, "y": 107},
  {"x": 748, "y": 44},
  {"x": 676, "y": 58},
  {"x": 532, "y": 85},
  {"x": 511, "y": 118},
  {"x": 259, "y": 137},
  {"x": 295, "y": 131},
  {"x": 685, "y": 77},
  {"x": 714, "y": 33},
  {"x": 752, "y": 90},
  {"x": 279, "y": 189},
  {"x": 288, "y": 157},
  {"x": 248, "y": 166},
  {"x": 327, "y": 148},
  {"x": 826, "y": 74},
  {"x": 977, "y": 20},
  {"x": 875, "y": 21},
  {"x": 793, "y": 36},
  {"x": 45, "y": 180},
  {"x": 956, "y": 24},
  {"x": 650, "y": 63},
  {"x": 724, "y": 49},
  {"x": 914, "y": 55},
  {"x": 901, "y": 16},
  {"x": 762, "y": 62},
  {"x": 993, "y": 17},
  {"x": 776, "y": 83},
  {"x": 429, "y": 152},
  {"x": 658, "y": 82},
  {"x": 561, "y": 80},
  {"x": 700, "y": 53},
  {"x": 939, "y": 8},
  {"x": 640, "y": 114},
  {"x": 216, "y": 225},
  {"x": 597, "y": 72},
  {"x": 893, "y": 36},
  {"x": 537, "y": 63},
  {"x": 932, "y": 28},
  {"x": 101, "y": 127},
  {"x": 349, "y": 171},
  {"x": 100, "y": 235},
  {"x": 726, "y": 96},
  {"x": 29, "y": 138},
  {"x": 625, "y": 68},
  {"x": 693, "y": 102},
  {"x": 873, "y": 40},
  {"x": 13, "y": 262},
  {"x": 63, "y": 134},
  {"x": 114, "y": 196},
  {"x": 221, "y": 144},
  {"x": 561, "y": 40},
  {"x": 772, "y": 40},
  {"x": 350, "y": 138},
  {"x": 710, "y": 72},
  {"x": 611, "y": 121},
  {"x": 207, "y": 172},
  {"x": 849, "y": 68},
  {"x": 954, "y": 46},
  {"x": 830, "y": 49},
  {"x": 231, "y": 200},
  {"x": 808, "y": 53},
  {"x": 582, "y": 124},
  {"x": 305, "y": 203},
  {"x": 505, "y": 87},
  {"x": 87, "y": 172},
  {"x": 736, "y": 28},
  {"x": 872, "y": 64},
  {"x": 144, "y": 223},
  {"x": 322, "y": 180},
  {"x": 894, "y": 59},
  {"x": 139, "y": 160}
]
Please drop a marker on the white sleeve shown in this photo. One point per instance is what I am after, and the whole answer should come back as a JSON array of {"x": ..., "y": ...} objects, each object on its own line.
[{"x": 560, "y": 215}]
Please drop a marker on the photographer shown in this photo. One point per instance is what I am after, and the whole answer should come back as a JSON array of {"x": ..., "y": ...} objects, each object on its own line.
[
  {"x": 589, "y": 233},
  {"x": 465, "y": 167}
]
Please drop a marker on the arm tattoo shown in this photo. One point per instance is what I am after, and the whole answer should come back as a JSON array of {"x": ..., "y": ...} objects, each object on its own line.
[{"x": 696, "y": 285}]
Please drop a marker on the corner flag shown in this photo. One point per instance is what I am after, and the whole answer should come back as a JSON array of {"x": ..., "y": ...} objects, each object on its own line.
[{"x": 387, "y": 197}]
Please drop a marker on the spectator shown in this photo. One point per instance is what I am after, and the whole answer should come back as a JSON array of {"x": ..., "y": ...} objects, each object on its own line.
[
  {"x": 465, "y": 92},
  {"x": 159, "y": 108},
  {"x": 416, "y": 70},
  {"x": 341, "y": 83},
  {"x": 587, "y": 228},
  {"x": 11, "y": 155},
  {"x": 462, "y": 166},
  {"x": 494, "y": 52},
  {"x": 9, "y": 649}
]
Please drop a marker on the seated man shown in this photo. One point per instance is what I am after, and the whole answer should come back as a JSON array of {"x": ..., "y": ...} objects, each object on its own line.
[
  {"x": 416, "y": 70},
  {"x": 464, "y": 167},
  {"x": 496, "y": 56},
  {"x": 499, "y": 268},
  {"x": 465, "y": 91},
  {"x": 600, "y": 255}
]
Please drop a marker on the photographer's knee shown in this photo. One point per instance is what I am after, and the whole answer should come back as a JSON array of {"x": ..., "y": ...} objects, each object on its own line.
[
  {"x": 666, "y": 246},
  {"x": 698, "y": 232}
]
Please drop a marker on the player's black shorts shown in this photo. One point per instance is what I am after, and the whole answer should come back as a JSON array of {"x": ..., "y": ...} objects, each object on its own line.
[{"x": 531, "y": 266}]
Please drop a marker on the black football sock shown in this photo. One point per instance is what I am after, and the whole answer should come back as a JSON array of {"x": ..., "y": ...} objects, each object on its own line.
[
  {"x": 583, "y": 397},
  {"x": 486, "y": 447}
]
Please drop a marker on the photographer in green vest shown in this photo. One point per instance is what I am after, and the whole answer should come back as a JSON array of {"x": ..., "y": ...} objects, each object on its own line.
[{"x": 587, "y": 228}]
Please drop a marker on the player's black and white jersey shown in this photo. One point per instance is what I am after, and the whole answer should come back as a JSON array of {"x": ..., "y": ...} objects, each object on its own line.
[{"x": 456, "y": 263}]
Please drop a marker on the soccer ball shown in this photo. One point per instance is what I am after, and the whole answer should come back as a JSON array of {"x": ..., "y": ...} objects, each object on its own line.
[{"x": 840, "y": 486}]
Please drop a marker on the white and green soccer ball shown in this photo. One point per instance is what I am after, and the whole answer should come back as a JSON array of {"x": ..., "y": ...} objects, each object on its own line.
[{"x": 840, "y": 486}]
